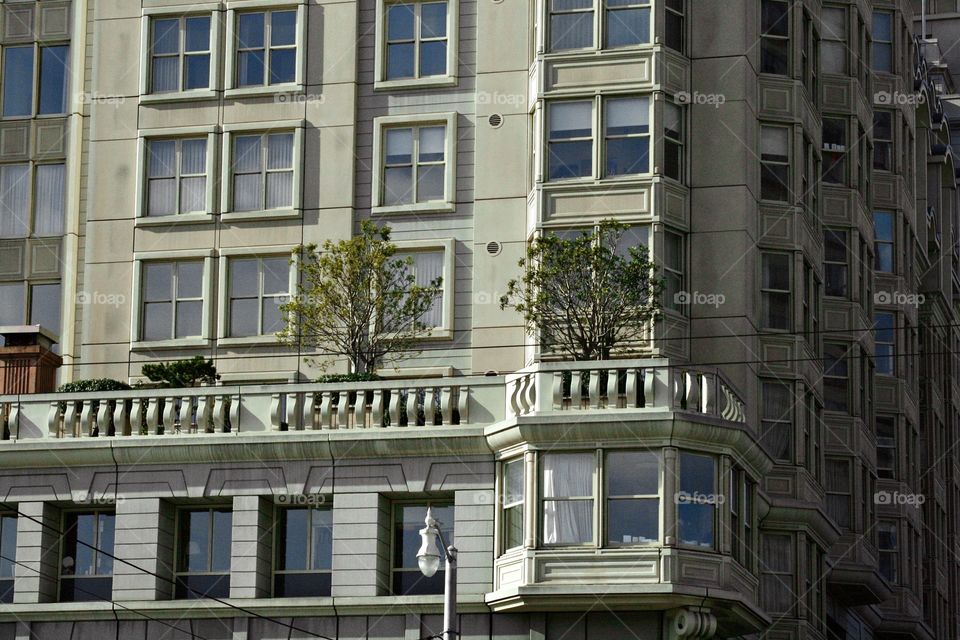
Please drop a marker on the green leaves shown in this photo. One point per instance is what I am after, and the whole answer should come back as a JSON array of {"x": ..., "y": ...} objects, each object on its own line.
[
  {"x": 182, "y": 373},
  {"x": 586, "y": 295},
  {"x": 357, "y": 299}
]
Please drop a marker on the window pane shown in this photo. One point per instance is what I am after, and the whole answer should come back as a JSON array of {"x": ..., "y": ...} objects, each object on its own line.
[
  {"x": 105, "y": 538},
  {"x": 433, "y": 20},
  {"x": 45, "y": 306},
  {"x": 250, "y": 68},
  {"x": 633, "y": 521},
  {"x": 571, "y": 30},
  {"x": 571, "y": 120},
  {"x": 158, "y": 282},
  {"x": 250, "y": 30},
  {"x": 627, "y": 27},
  {"x": 399, "y": 146},
  {"x": 189, "y": 318},
  {"x": 222, "y": 535},
  {"x": 398, "y": 185},
  {"x": 280, "y": 151},
  {"x": 197, "y": 73},
  {"x": 166, "y": 36},
  {"x": 243, "y": 317},
  {"x": 568, "y": 475},
  {"x": 293, "y": 535},
  {"x": 321, "y": 539},
  {"x": 283, "y": 28},
  {"x": 17, "y": 74},
  {"x": 165, "y": 74},
  {"x": 8, "y": 548},
  {"x": 157, "y": 320},
  {"x": 48, "y": 210},
  {"x": 776, "y": 271},
  {"x": 190, "y": 279},
  {"x": 14, "y": 201},
  {"x": 400, "y": 21},
  {"x": 626, "y": 116},
  {"x": 53, "y": 79},
  {"x": 513, "y": 482},
  {"x": 279, "y": 190},
  {"x": 400, "y": 60},
  {"x": 162, "y": 158},
  {"x": 433, "y": 59},
  {"x": 775, "y": 18},
  {"x": 631, "y": 473},
  {"x": 198, "y": 33},
  {"x": 283, "y": 66},
  {"x": 243, "y": 278},
  {"x": 12, "y": 309},
  {"x": 696, "y": 510},
  {"x": 276, "y": 276},
  {"x": 430, "y": 183}
]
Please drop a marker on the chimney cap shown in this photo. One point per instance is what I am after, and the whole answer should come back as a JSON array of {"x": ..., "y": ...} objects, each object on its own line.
[{"x": 27, "y": 335}]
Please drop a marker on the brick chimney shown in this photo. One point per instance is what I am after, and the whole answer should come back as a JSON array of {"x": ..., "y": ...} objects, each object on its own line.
[{"x": 27, "y": 361}]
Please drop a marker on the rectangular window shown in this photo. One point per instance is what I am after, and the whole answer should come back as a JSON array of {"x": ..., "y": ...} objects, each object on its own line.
[
  {"x": 37, "y": 214},
  {"x": 172, "y": 300},
  {"x": 888, "y": 547},
  {"x": 203, "y": 553},
  {"x": 304, "y": 552},
  {"x": 885, "y": 342},
  {"x": 776, "y": 307},
  {"x": 626, "y": 131},
  {"x": 513, "y": 498},
  {"x": 883, "y": 41},
  {"x": 426, "y": 267},
  {"x": 886, "y": 447},
  {"x": 775, "y": 37},
  {"x": 570, "y": 141},
  {"x": 17, "y": 74},
  {"x": 884, "y": 231},
  {"x": 179, "y": 53},
  {"x": 627, "y": 22},
  {"x": 258, "y": 286},
  {"x": 86, "y": 562},
  {"x": 777, "y": 568},
  {"x": 673, "y": 135},
  {"x": 45, "y": 306},
  {"x": 568, "y": 498},
  {"x": 883, "y": 140},
  {"x": 24, "y": 94},
  {"x": 835, "y": 150},
  {"x": 837, "y": 486},
  {"x": 416, "y": 38},
  {"x": 8, "y": 556},
  {"x": 776, "y": 432},
  {"x": 266, "y": 48},
  {"x": 263, "y": 169},
  {"x": 833, "y": 43},
  {"x": 673, "y": 261},
  {"x": 414, "y": 165},
  {"x": 408, "y": 520},
  {"x": 673, "y": 35},
  {"x": 775, "y": 163},
  {"x": 696, "y": 511},
  {"x": 13, "y": 309},
  {"x": 176, "y": 176},
  {"x": 836, "y": 263},
  {"x": 571, "y": 24},
  {"x": 633, "y": 497},
  {"x": 836, "y": 377}
]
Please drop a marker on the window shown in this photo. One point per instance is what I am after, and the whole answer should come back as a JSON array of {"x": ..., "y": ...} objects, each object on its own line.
[
  {"x": 263, "y": 171},
  {"x": 571, "y": 24},
  {"x": 883, "y": 140},
  {"x": 37, "y": 212},
  {"x": 835, "y": 150},
  {"x": 176, "y": 176},
  {"x": 179, "y": 53},
  {"x": 889, "y": 550},
  {"x": 407, "y": 522},
  {"x": 27, "y": 92},
  {"x": 833, "y": 43},
  {"x": 416, "y": 40},
  {"x": 884, "y": 230},
  {"x": 837, "y": 486},
  {"x": 626, "y": 135},
  {"x": 775, "y": 163},
  {"x": 836, "y": 262},
  {"x": 885, "y": 341},
  {"x": 673, "y": 260},
  {"x": 775, "y": 290},
  {"x": 886, "y": 447},
  {"x": 266, "y": 48},
  {"x": 570, "y": 142},
  {"x": 258, "y": 286},
  {"x": 203, "y": 553},
  {"x": 836, "y": 394},
  {"x": 513, "y": 498},
  {"x": 633, "y": 497},
  {"x": 775, "y": 37},
  {"x": 673, "y": 156},
  {"x": 776, "y": 430},
  {"x": 304, "y": 552},
  {"x": 31, "y": 303},
  {"x": 8, "y": 556},
  {"x": 811, "y": 305},
  {"x": 172, "y": 300},
  {"x": 883, "y": 41},
  {"x": 810, "y": 55},
  {"x": 777, "y": 568},
  {"x": 673, "y": 35},
  {"x": 626, "y": 23},
  {"x": 426, "y": 267},
  {"x": 86, "y": 560},
  {"x": 414, "y": 165},
  {"x": 696, "y": 511},
  {"x": 567, "y": 505}
]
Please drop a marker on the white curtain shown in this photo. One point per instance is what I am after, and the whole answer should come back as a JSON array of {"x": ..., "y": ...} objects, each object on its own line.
[
  {"x": 567, "y": 475},
  {"x": 193, "y": 181},
  {"x": 428, "y": 266},
  {"x": 628, "y": 115},
  {"x": 14, "y": 201},
  {"x": 247, "y": 183},
  {"x": 570, "y": 119},
  {"x": 280, "y": 190},
  {"x": 432, "y": 144},
  {"x": 49, "y": 207},
  {"x": 571, "y": 30},
  {"x": 162, "y": 196},
  {"x": 773, "y": 142}
]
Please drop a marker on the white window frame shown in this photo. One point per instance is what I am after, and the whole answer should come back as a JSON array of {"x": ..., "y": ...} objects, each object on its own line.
[
  {"x": 381, "y": 82},
  {"x": 215, "y": 10},
  {"x": 223, "y": 281},
  {"x": 226, "y": 182},
  {"x": 206, "y": 321},
  {"x": 243, "y": 6},
  {"x": 380, "y": 125},
  {"x": 448, "y": 246},
  {"x": 144, "y": 136}
]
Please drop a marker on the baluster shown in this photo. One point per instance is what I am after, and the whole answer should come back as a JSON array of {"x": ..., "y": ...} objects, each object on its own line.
[
  {"x": 630, "y": 390},
  {"x": 102, "y": 418},
  {"x": 137, "y": 417},
  {"x": 708, "y": 393},
  {"x": 396, "y": 397},
  {"x": 170, "y": 416},
  {"x": 86, "y": 415},
  {"x": 121, "y": 418},
  {"x": 377, "y": 408},
  {"x": 235, "y": 413},
  {"x": 446, "y": 406},
  {"x": 462, "y": 397},
  {"x": 294, "y": 412},
  {"x": 70, "y": 420},
  {"x": 557, "y": 390},
  {"x": 578, "y": 378},
  {"x": 693, "y": 390},
  {"x": 53, "y": 420},
  {"x": 220, "y": 409},
  {"x": 326, "y": 407},
  {"x": 13, "y": 421},
  {"x": 275, "y": 412},
  {"x": 309, "y": 414},
  {"x": 204, "y": 413},
  {"x": 649, "y": 397},
  {"x": 153, "y": 416},
  {"x": 679, "y": 393},
  {"x": 594, "y": 389},
  {"x": 185, "y": 415},
  {"x": 360, "y": 410},
  {"x": 413, "y": 399}
]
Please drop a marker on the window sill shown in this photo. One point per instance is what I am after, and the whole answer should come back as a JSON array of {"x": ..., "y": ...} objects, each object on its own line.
[
  {"x": 257, "y": 216},
  {"x": 178, "y": 96},
  {"x": 182, "y": 343},
  {"x": 422, "y": 207},
  {"x": 248, "y": 341},
  {"x": 175, "y": 219},
  {"x": 588, "y": 53},
  {"x": 263, "y": 91},
  {"x": 416, "y": 83}
]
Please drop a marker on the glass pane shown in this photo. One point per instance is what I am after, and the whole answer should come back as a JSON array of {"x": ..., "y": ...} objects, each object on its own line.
[
  {"x": 430, "y": 183},
  {"x": 697, "y": 473},
  {"x": 250, "y": 29},
  {"x": 571, "y": 30},
  {"x": 882, "y": 26},
  {"x": 166, "y": 36},
  {"x": 244, "y": 282},
  {"x": 193, "y": 195},
  {"x": 625, "y": 116},
  {"x": 283, "y": 28},
  {"x": 433, "y": 59},
  {"x": 276, "y": 276},
  {"x": 190, "y": 280},
  {"x": 246, "y": 153},
  {"x": 222, "y": 536},
  {"x": 294, "y": 536},
  {"x": 14, "y": 201},
  {"x": 883, "y": 225},
  {"x": 399, "y": 146},
  {"x": 158, "y": 282},
  {"x": 17, "y": 74},
  {"x": 321, "y": 539},
  {"x": 567, "y": 521},
  {"x": 283, "y": 65},
  {"x": 633, "y": 521},
  {"x": 250, "y": 68},
  {"x": 433, "y": 20},
  {"x": 279, "y": 190},
  {"x": 246, "y": 192},
  {"x": 189, "y": 318},
  {"x": 196, "y": 541},
  {"x": 49, "y": 207},
  {"x": 400, "y": 61},
  {"x": 774, "y": 144},
  {"x": 243, "y": 317},
  {"x": 162, "y": 158},
  {"x": 632, "y": 473},
  {"x": 106, "y": 522},
  {"x": 398, "y": 185},
  {"x": 272, "y": 317},
  {"x": 198, "y": 34},
  {"x": 571, "y": 159},
  {"x": 8, "y": 545},
  {"x": 627, "y": 27},
  {"x": 197, "y": 73},
  {"x": 513, "y": 482},
  {"x": 774, "y": 56},
  {"x": 162, "y": 197},
  {"x": 432, "y": 144},
  {"x": 568, "y": 475},
  {"x": 776, "y": 271},
  {"x": 53, "y": 79},
  {"x": 400, "y": 20},
  {"x": 628, "y": 155},
  {"x": 280, "y": 151},
  {"x": 86, "y": 541},
  {"x": 165, "y": 74},
  {"x": 513, "y": 527},
  {"x": 571, "y": 120},
  {"x": 775, "y": 18},
  {"x": 834, "y": 23},
  {"x": 11, "y": 311},
  {"x": 193, "y": 156},
  {"x": 157, "y": 318},
  {"x": 45, "y": 306}
]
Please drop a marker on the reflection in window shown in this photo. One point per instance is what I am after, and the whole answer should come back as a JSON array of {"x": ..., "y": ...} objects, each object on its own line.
[
  {"x": 568, "y": 497},
  {"x": 172, "y": 297},
  {"x": 408, "y": 520},
  {"x": 414, "y": 165},
  {"x": 627, "y": 135},
  {"x": 86, "y": 564},
  {"x": 673, "y": 159},
  {"x": 633, "y": 497},
  {"x": 697, "y": 500},
  {"x": 266, "y": 48},
  {"x": 884, "y": 228},
  {"x": 416, "y": 40},
  {"x": 45, "y": 306},
  {"x": 882, "y": 54},
  {"x": 180, "y": 54},
  {"x": 8, "y": 555},
  {"x": 258, "y": 286},
  {"x": 304, "y": 552},
  {"x": 203, "y": 553}
]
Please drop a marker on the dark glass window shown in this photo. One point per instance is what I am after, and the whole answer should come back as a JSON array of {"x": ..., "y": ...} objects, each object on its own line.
[
  {"x": 17, "y": 75},
  {"x": 266, "y": 48},
  {"x": 885, "y": 342},
  {"x": 776, "y": 307},
  {"x": 883, "y": 41},
  {"x": 836, "y": 262},
  {"x": 408, "y": 520},
  {"x": 883, "y": 140},
  {"x": 673, "y": 35},
  {"x": 203, "y": 553},
  {"x": 775, "y": 37},
  {"x": 775, "y": 163},
  {"x": 836, "y": 377},
  {"x": 835, "y": 150},
  {"x": 627, "y": 22},
  {"x": 180, "y": 54},
  {"x": 884, "y": 229},
  {"x": 416, "y": 40},
  {"x": 86, "y": 561},
  {"x": 633, "y": 497},
  {"x": 570, "y": 143},
  {"x": 697, "y": 499},
  {"x": 304, "y": 552},
  {"x": 8, "y": 556}
]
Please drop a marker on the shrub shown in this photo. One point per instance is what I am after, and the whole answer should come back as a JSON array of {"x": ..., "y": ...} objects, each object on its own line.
[
  {"x": 94, "y": 384},
  {"x": 182, "y": 373},
  {"x": 347, "y": 377}
]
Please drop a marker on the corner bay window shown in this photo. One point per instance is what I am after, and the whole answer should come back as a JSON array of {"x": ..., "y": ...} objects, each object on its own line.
[
  {"x": 834, "y": 150},
  {"x": 172, "y": 299},
  {"x": 512, "y": 498},
  {"x": 204, "y": 539},
  {"x": 833, "y": 43},
  {"x": 882, "y": 53},
  {"x": 624, "y": 23},
  {"x": 885, "y": 341},
  {"x": 408, "y": 518},
  {"x": 673, "y": 159},
  {"x": 883, "y": 140},
  {"x": 775, "y": 163},
  {"x": 884, "y": 229},
  {"x": 633, "y": 497},
  {"x": 836, "y": 377},
  {"x": 568, "y": 497},
  {"x": 416, "y": 39},
  {"x": 304, "y": 552},
  {"x": 835, "y": 262},
  {"x": 86, "y": 562},
  {"x": 775, "y": 37},
  {"x": 266, "y": 48},
  {"x": 26, "y": 92},
  {"x": 696, "y": 511},
  {"x": 776, "y": 432},
  {"x": 775, "y": 299}
]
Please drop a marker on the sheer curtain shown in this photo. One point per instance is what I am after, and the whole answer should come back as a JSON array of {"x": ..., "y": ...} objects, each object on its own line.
[
  {"x": 162, "y": 189},
  {"x": 571, "y": 30},
  {"x": 193, "y": 179},
  {"x": 246, "y": 173},
  {"x": 14, "y": 201},
  {"x": 49, "y": 207},
  {"x": 428, "y": 266},
  {"x": 280, "y": 171},
  {"x": 568, "y": 475}
]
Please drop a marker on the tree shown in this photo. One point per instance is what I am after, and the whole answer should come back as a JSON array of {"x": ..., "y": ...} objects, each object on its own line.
[
  {"x": 358, "y": 300},
  {"x": 182, "y": 373},
  {"x": 583, "y": 295}
]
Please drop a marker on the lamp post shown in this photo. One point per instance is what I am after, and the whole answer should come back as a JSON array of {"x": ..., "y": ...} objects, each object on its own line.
[{"x": 429, "y": 561}]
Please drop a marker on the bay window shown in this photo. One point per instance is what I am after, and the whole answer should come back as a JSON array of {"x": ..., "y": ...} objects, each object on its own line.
[
  {"x": 696, "y": 511},
  {"x": 882, "y": 41},
  {"x": 266, "y": 48},
  {"x": 833, "y": 40},
  {"x": 32, "y": 200},
  {"x": 180, "y": 53},
  {"x": 776, "y": 426},
  {"x": 673, "y": 139},
  {"x": 836, "y": 263},
  {"x": 513, "y": 497},
  {"x": 775, "y": 163},
  {"x": 889, "y": 551},
  {"x": 884, "y": 230},
  {"x": 834, "y": 150},
  {"x": 176, "y": 176},
  {"x": 626, "y": 129},
  {"x": 775, "y": 37},
  {"x": 262, "y": 168},
  {"x": 775, "y": 291},
  {"x": 34, "y": 92},
  {"x": 568, "y": 497},
  {"x": 626, "y": 22},
  {"x": 31, "y": 303},
  {"x": 887, "y": 459},
  {"x": 838, "y": 487},
  {"x": 777, "y": 573},
  {"x": 836, "y": 377},
  {"x": 633, "y": 497},
  {"x": 883, "y": 140},
  {"x": 673, "y": 262},
  {"x": 570, "y": 140},
  {"x": 885, "y": 342},
  {"x": 572, "y": 23}
]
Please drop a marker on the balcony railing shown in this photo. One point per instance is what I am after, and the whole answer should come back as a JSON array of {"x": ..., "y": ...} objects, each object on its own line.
[{"x": 388, "y": 404}]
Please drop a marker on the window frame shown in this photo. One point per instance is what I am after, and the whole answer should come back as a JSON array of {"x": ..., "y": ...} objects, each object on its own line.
[
  {"x": 841, "y": 154},
  {"x": 505, "y": 505},
  {"x": 295, "y": 210},
  {"x": 32, "y": 165},
  {"x": 179, "y": 134},
  {"x": 828, "y": 38},
  {"x": 37, "y": 44},
  {"x": 235, "y": 7},
  {"x": 879, "y": 242},
  {"x": 448, "y": 246},
  {"x": 97, "y": 550},
  {"x": 599, "y": 27},
  {"x": 178, "y": 549},
  {"x": 770, "y": 291},
  {"x": 214, "y": 10},
  {"x": 605, "y": 497},
  {"x": 223, "y": 284},
  {"x": 279, "y": 547},
  {"x": 428, "y": 502},
  {"x": 785, "y": 165},
  {"x": 885, "y": 143},
  {"x": 8, "y": 583},
  {"x": 841, "y": 235},
  {"x": 891, "y": 344},
  {"x": 139, "y": 261},
  {"x": 787, "y": 421},
  {"x": 876, "y": 43},
  {"x": 450, "y": 79},
  {"x": 764, "y": 37},
  {"x": 842, "y": 361},
  {"x": 380, "y": 126}
]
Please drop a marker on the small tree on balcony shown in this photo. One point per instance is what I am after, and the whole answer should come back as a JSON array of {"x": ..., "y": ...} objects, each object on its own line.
[
  {"x": 584, "y": 296},
  {"x": 358, "y": 300}
]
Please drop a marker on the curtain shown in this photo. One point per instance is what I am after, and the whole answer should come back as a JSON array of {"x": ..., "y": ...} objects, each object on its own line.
[
  {"x": 571, "y": 30},
  {"x": 50, "y": 195},
  {"x": 568, "y": 475},
  {"x": 432, "y": 144},
  {"x": 162, "y": 190},
  {"x": 627, "y": 115},
  {"x": 427, "y": 267},
  {"x": 777, "y": 559},
  {"x": 14, "y": 201},
  {"x": 571, "y": 119},
  {"x": 193, "y": 163}
]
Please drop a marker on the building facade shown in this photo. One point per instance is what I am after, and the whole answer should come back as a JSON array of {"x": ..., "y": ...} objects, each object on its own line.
[{"x": 776, "y": 459}]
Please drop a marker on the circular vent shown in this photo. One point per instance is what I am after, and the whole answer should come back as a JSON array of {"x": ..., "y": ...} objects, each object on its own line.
[
  {"x": 494, "y": 248},
  {"x": 496, "y": 120}
]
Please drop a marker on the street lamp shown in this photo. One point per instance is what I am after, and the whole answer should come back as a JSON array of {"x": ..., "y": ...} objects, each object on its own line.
[{"x": 429, "y": 560}]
